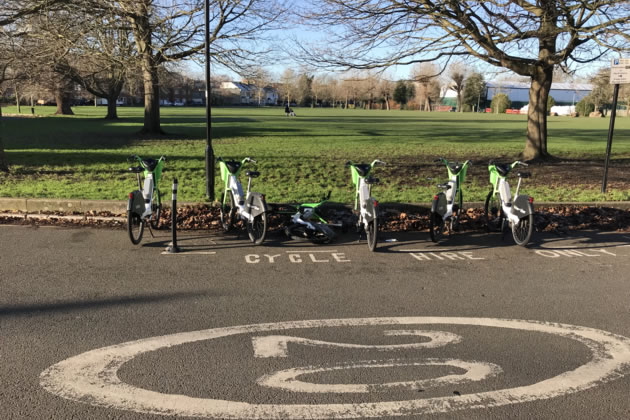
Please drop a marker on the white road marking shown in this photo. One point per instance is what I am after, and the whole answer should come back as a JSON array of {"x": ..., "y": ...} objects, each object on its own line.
[
  {"x": 311, "y": 252},
  {"x": 91, "y": 377},
  {"x": 287, "y": 379},
  {"x": 548, "y": 253},
  {"x": 183, "y": 252},
  {"x": 277, "y": 345},
  {"x": 426, "y": 250}
]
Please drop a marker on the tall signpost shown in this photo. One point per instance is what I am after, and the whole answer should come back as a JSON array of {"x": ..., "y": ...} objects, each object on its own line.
[
  {"x": 209, "y": 151},
  {"x": 619, "y": 74}
]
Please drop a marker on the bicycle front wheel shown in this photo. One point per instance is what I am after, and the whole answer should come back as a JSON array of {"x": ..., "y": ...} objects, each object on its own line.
[
  {"x": 492, "y": 212},
  {"x": 436, "y": 226},
  {"x": 522, "y": 231},
  {"x": 257, "y": 228},
  {"x": 135, "y": 227},
  {"x": 156, "y": 209},
  {"x": 323, "y": 234},
  {"x": 372, "y": 234},
  {"x": 228, "y": 212}
]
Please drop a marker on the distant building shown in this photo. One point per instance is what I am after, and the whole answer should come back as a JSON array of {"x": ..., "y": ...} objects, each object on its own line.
[
  {"x": 237, "y": 93},
  {"x": 562, "y": 93}
]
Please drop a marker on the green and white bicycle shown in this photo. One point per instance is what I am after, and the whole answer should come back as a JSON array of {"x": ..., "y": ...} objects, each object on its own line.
[
  {"x": 250, "y": 207},
  {"x": 500, "y": 209},
  {"x": 145, "y": 203},
  {"x": 364, "y": 204},
  {"x": 447, "y": 204},
  {"x": 307, "y": 222}
]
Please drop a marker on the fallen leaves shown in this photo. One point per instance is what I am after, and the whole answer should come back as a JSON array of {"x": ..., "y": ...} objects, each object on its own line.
[{"x": 558, "y": 219}]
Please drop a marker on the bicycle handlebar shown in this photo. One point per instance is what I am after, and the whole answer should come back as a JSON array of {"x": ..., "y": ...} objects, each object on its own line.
[{"x": 136, "y": 158}]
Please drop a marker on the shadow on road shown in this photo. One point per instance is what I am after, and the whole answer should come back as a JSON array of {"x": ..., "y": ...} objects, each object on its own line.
[{"x": 74, "y": 305}]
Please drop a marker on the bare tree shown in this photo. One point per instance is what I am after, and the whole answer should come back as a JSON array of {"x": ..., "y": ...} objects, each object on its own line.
[
  {"x": 261, "y": 79},
  {"x": 457, "y": 73},
  {"x": 528, "y": 37},
  {"x": 288, "y": 85},
  {"x": 385, "y": 90},
  {"x": 172, "y": 30},
  {"x": 428, "y": 92},
  {"x": 320, "y": 88}
]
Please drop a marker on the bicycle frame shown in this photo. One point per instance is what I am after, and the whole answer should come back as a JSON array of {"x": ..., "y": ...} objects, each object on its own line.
[
  {"x": 306, "y": 212},
  {"x": 450, "y": 194},
  {"x": 151, "y": 181},
  {"x": 501, "y": 186},
  {"x": 242, "y": 200},
  {"x": 364, "y": 203}
]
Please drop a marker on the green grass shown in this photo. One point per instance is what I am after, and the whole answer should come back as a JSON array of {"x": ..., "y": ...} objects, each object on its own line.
[{"x": 301, "y": 158}]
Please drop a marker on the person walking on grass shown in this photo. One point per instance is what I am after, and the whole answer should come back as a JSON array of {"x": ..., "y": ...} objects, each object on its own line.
[{"x": 287, "y": 110}]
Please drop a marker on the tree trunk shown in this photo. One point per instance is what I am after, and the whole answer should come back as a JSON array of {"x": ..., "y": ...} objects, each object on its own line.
[
  {"x": 17, "y": 101},
  {"x": 151, "y": 97},
  {"x": 63, "y": 100},
  {"x": 112, "y": 112},
  {"x": 142, "y": 34},
  {"x": 536, "y": 144},
  {"x": 4, "y": 163}
]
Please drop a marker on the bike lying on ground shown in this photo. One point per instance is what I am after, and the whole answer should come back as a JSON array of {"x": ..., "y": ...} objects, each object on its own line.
[
  {"x": 447, "y": 204},
  {"x": 307, "y": 223},
  {"x": 250, "y": 207},
  {"x": 364, "y": 204},
  {"x": 144, "y": 203},
  {"x": 500, "y": 208}
]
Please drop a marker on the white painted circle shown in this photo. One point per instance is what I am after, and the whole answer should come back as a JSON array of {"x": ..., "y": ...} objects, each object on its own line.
[
  {"x": 287, "y": 379},
  {"x": 91, "y": 377}
]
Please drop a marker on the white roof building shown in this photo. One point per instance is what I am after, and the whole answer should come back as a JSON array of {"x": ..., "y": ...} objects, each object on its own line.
[{"x": 562, "y": 93}]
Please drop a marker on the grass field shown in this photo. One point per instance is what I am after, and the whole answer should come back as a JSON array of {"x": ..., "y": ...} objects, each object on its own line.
[{"x": 301, "y": 158}]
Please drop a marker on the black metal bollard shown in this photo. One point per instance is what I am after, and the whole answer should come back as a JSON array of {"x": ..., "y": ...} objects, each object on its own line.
[{"x": 173, "y": 248}]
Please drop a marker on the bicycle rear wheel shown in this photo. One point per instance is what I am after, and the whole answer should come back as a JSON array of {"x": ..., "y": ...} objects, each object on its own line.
[
  {"x": 522, "y": 231},
  {"x": 257, "y": 228},
  {"x": 135, "y": 227}
]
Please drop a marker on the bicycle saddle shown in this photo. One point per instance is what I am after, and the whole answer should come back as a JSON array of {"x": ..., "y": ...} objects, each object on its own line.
[
  {"x": 136, "y": 169},
  {"x": 362, "y": 168},
  {"x": 523, "y": 174},
  {"x": 150, "y": 164},
  {"x": 253, "y": 174},
  {"x": 232, "y": 165},
  {"x": 503, "y": 168},
  {"x": 455, "y": 167}
]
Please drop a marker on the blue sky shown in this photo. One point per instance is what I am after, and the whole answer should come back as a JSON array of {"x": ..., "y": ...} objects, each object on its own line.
[{"x": 297, "y": 33}]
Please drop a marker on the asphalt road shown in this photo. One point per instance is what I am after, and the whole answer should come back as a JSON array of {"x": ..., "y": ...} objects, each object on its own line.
[{"x": 471, "y": 328}]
